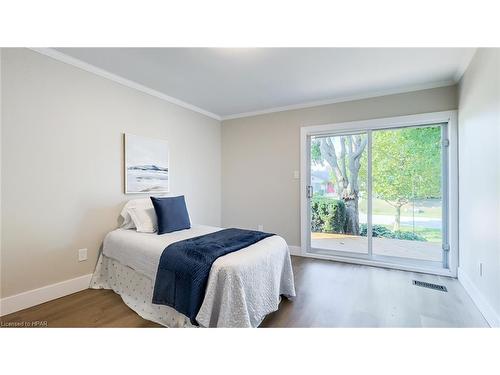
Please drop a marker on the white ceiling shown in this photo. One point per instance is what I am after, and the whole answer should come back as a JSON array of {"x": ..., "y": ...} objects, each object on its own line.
[{"x": 229, "y": 82}]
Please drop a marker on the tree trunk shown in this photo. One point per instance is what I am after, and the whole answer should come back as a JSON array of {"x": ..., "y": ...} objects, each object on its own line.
[
  {"x": 351, "y": 150},
  {"x": 352, "y": 217},
  {"x": 397, "y": 218}
]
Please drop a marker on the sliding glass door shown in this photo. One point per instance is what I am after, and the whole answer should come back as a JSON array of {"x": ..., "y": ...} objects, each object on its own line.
[
  {"x": 379, "y": 195},
  {"x": 338, "y": 193},
  {"x": 407, "y": 196}
]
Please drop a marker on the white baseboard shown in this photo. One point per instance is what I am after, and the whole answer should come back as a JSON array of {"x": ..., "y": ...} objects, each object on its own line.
[
  {"x": 482, "y": 304},
  {"x": 295, "y": 250},
  {"x": 35, "y": 297}
]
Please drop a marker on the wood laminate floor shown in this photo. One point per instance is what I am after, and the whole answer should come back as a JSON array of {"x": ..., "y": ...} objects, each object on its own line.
[{"x": 329, "y": 294}]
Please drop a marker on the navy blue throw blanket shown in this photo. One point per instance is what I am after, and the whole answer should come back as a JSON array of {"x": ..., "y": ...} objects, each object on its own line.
[{"x": 184, "y": 267}]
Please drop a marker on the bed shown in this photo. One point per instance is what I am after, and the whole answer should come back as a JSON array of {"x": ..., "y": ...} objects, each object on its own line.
[{"x": 243, "y": 286}]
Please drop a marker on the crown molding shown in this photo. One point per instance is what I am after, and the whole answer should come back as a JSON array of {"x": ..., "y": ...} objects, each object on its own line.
[
  {"x": 341, "y": 100},
  {"x": 464, "y": 64},
  {"x": 50, "y": 52}
]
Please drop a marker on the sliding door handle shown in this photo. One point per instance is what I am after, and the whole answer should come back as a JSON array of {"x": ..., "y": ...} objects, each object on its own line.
[{"x": 309, "y": 192}]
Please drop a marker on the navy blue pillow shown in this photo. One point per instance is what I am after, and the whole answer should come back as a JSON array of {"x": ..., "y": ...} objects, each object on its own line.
[{"x": 171, "y": 213}]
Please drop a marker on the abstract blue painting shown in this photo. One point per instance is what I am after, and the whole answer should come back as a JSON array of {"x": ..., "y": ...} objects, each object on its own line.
[{"x": 146, "y": 165}]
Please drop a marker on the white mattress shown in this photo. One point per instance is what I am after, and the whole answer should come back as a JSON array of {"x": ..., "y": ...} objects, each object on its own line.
[
  {"x": 243, "y": 286},
  {"x": 142, "y": 251}
]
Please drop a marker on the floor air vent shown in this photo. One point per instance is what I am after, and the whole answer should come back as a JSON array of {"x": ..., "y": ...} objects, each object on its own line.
[{"x": 423, "y": 284}]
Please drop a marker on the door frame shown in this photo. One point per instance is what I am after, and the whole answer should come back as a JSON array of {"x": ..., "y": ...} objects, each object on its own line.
[{"x": 450, "y": 205}]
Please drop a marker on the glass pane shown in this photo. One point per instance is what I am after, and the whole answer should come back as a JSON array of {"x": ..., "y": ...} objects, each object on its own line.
[
  {"x": 339, "y": 201},
  {"x": 407, "y": 197}
]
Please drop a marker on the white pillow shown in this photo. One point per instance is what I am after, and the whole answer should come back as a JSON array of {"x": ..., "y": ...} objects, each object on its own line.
[
  {"x": 128, "y": 223},
  {"x": 144, "y": 219}
]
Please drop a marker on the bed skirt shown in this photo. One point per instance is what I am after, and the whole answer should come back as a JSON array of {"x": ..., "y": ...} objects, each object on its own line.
[{"x": 136, "y": 291}]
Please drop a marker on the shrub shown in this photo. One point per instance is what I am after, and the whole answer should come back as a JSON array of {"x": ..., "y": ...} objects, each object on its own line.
[
  {"x": 377, "y": 231},
  {"x": 408, "y": 236},
  {"x": 327, "y": 215},
  {"x": 382, "y": 231}
]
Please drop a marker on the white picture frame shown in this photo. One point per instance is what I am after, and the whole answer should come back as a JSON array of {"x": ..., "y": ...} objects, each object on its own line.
[{"x": 146, "y": 165}]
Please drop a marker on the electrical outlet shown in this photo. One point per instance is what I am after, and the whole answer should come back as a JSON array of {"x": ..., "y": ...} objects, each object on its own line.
[
  {"x": 260, "y": 227},
  {"x": 296, "y": 175},
  {"x": 82, "y": 255}
]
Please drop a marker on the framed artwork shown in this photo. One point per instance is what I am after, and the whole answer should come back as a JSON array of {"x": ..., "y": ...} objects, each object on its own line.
[{"x": 146, "y": 165}]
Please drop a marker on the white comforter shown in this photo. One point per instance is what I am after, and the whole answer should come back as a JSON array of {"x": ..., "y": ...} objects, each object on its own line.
[{"x": 243, "y": 286}]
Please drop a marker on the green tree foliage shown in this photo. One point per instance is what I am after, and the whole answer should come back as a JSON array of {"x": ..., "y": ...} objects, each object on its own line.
[
  {"x": 316, "y": 152},
  {"x": 406, "y": 165}
]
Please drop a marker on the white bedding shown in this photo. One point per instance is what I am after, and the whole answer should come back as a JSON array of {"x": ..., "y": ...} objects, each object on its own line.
[
  {"x": 243, "y": 286},
  {"x": 142, "y": 251}
]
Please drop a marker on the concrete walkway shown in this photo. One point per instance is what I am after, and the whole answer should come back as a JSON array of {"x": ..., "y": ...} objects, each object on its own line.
[{"x": 381, "y": 246}]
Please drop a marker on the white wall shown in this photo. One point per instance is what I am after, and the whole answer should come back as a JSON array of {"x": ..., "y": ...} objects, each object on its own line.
[
  {"x": 260, "y": 153},
  {"x": 479, "y": 171},
  {"x": 62, "y": 164}
]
